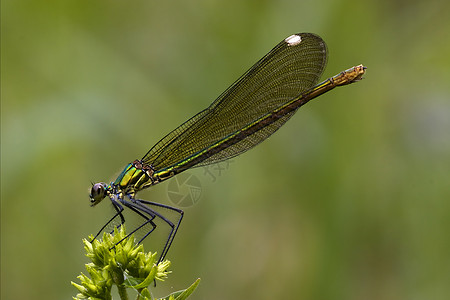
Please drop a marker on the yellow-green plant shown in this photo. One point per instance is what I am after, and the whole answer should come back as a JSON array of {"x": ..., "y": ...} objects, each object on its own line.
[{"x": 116, "y": 260}]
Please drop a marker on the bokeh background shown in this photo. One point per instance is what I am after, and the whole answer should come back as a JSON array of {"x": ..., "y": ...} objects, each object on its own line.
[{"x": 349, "y": 200}]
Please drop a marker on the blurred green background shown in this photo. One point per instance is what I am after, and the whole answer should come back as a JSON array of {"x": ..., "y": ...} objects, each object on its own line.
[{"x": 349, "y": 200}]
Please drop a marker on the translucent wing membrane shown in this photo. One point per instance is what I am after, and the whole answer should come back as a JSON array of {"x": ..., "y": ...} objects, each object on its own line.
[{"x": 286, "y": 71}]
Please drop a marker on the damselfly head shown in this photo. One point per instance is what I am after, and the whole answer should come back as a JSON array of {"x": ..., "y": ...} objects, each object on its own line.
[{"x": 98, "y": 193}]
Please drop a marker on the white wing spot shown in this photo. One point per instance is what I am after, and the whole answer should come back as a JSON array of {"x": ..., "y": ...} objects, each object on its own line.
[{"x": 293, "y": 40}]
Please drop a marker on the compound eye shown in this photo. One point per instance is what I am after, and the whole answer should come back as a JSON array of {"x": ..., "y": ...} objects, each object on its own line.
[{"x": 98, "y": 192}]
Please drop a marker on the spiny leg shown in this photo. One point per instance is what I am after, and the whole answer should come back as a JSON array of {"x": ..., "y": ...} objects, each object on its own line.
[
  {"x": 174, "y": 227},
  {"x": 119, "y": 210},
  {"x": 148, "y": 214}
]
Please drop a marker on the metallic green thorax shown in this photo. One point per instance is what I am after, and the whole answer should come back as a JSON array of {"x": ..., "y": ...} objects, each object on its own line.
[
  {"x": 132, "y": 178},
  {"x": 137, "y": 176}
]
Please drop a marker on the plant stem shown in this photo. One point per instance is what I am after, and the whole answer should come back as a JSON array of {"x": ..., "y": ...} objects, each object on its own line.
[{"x": 122, "y": 292}]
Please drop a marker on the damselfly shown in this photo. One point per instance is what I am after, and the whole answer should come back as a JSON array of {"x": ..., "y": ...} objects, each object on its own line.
[{"x": 247, "y": 113}]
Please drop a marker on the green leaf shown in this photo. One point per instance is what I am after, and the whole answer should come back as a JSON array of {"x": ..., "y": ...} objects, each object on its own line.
[
  {"x": 146, "y": 282},
  {"x": 183, "y": 294}
]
